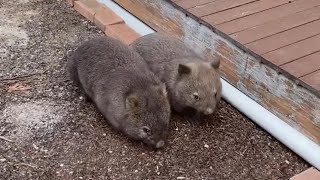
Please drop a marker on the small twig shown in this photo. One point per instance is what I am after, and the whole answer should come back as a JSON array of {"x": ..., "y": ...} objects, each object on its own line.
[
  {"x": 22, "y": 76},
  {"x": 6, "y": 139},
  {"x": 25, "y": 164},
  {"x": 18, "y": 77}
]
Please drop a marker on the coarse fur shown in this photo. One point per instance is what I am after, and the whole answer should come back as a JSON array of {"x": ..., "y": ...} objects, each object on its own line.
[
  {"x": 125, "y": 91},
  {"x": 192, "y": 81}
]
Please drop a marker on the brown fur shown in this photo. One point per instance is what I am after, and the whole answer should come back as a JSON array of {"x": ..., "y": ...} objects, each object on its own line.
[
  {"x": 185, "y": 73},
  {"x": 125, "y": 91}
]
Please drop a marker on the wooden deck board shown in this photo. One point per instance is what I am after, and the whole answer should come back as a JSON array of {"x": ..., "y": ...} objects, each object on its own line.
[
  {"x": 294, "y": 51},
  {"x": 303, "y": 66},
  {"x": 241, "y": 11},
  {"x": 285, "y": 38},
  {"x": 187, "y": 4},
  {"x": 266, "y": 16},
  {"x": 313, "y": 79},
  {"x": 218, "y": 6},
  {"x": 276, "y": 26}
]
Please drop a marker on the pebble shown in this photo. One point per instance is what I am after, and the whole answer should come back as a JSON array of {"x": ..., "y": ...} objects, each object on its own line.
[
  {"x": 287, "y": 162},
  {"x": 2, "y": 160},
  {"x": 181, "y": 177},
  {"x": 35, "y": 146},
  {"x": 206, "y": 145}
]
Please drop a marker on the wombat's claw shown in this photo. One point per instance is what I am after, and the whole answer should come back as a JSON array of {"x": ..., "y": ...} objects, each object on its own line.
[
  {"x": 198, "y": 118},
  {"x": 87, "y": 98}
]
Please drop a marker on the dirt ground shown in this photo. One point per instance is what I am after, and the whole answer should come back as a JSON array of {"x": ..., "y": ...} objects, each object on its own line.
[{"x": 48, "y": 131}]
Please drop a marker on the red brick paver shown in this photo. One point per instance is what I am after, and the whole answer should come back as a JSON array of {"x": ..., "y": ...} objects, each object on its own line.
[
  {"x": 109, "y": 22},
  {"x": 309, "y": 174},
  {"x": 122, "y": 32},
  {"x": 87, "y": 8},
  {"x": 70, "y": 2},
  {"x": 105, "y": 17}
]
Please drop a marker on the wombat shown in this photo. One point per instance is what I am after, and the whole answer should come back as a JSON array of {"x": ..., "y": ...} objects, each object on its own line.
[
  {"x": 193, "y": 82},
  {"x": 126, "y": 92}
]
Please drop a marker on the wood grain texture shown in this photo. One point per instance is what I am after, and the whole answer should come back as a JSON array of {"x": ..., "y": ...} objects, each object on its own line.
[
  {"x": 312, "y": 79},
  {"x": 187, "y": 4},
  {"x": 151, "y": 17},
  {"x": 241, "y": 11},
  {"x": 303, "y": 66},
  {"x": 218, "y": 6},
  {"x": 285, "y": 38},
  {"x": 266, "y": 16},
  {"x": 292, "y": 103},
  {"x": 278, "y": 25},
  {"x": 294, "y": 51}
]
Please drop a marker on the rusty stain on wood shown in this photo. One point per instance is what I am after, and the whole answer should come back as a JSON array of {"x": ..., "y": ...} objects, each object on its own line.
[{"x": 294, "y": 104}]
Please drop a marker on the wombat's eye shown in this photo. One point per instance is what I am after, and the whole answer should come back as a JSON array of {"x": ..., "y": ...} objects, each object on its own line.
[
  {"x": 146, "y": 130},
  {"x": 196, "y": 96}
]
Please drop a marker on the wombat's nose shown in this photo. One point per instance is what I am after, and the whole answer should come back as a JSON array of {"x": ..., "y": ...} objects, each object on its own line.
[
  {"x": 208, "y": 111},
  {"x": 160, "y": 144}
]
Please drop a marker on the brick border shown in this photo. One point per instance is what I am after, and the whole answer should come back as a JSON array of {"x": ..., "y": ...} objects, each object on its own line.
[{"x": 104, "y": 18}]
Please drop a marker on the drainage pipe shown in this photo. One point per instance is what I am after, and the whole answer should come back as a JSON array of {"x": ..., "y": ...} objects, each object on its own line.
[{"x": 289, "y": 136}]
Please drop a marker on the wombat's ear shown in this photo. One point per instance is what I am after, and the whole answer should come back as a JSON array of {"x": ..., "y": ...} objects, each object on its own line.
[
  {"x": 216, "y": 63},
  {"x": 184, "y": 69},
  {"x": 163, "y": 90},
  {"x": 133, "y": 102}
]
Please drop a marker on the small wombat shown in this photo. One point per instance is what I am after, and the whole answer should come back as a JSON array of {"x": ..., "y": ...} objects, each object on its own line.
[
  {"x": 192, "y": 81},
  {"x": 125, "y": 91}
]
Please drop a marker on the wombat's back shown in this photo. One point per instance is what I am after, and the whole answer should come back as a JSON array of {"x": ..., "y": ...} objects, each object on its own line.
[
  {"x": 100, "y": 58},
  {"x": 192, "y": 81},
  {"x": 160, "y": 48},
  {"x": 105, "y": 53},
  {"x": 125, "y": 91}
]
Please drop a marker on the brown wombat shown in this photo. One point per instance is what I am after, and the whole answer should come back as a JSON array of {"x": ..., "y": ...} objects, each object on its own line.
[
  {"x": 192, "y": 81},
  {"x": 125, "y": 91}
]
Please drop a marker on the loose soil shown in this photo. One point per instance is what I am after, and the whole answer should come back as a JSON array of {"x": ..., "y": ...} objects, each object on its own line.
[{"x": 48, "y": 131}]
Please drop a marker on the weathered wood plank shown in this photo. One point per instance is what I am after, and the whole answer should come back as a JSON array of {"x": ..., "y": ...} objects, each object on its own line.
[
  {"x": 152, "y": 18},
  {"x": 294, "y": 104}
]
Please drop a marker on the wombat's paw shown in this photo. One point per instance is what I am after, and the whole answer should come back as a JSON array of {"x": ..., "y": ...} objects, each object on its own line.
[{"x": 86, "y": 98}]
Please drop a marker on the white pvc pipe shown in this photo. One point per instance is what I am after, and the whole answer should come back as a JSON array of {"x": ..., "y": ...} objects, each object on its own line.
[{"x": 289, "y": 136}]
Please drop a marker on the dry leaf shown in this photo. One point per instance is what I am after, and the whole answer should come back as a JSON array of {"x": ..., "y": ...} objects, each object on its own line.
[{"x": 18, "y": 87}]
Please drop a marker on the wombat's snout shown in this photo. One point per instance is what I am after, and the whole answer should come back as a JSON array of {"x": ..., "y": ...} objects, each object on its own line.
[
  {"x": 208, "y": 111},
  {"x": 160, "y": 144}
]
